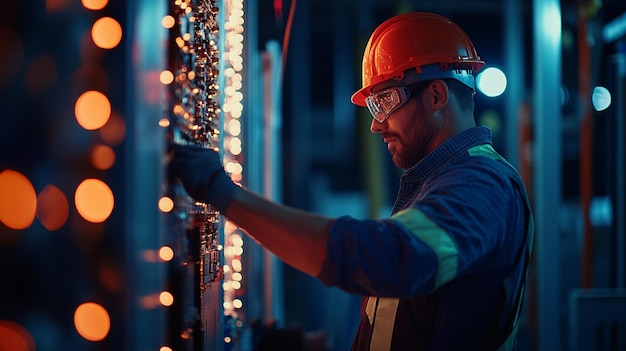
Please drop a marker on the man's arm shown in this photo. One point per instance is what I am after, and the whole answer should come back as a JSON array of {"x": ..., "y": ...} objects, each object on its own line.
[{"x": 297, "y": 237}]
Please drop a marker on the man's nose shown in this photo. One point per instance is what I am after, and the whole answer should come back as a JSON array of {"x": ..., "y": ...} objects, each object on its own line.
[{"x": 378, "y": 127}]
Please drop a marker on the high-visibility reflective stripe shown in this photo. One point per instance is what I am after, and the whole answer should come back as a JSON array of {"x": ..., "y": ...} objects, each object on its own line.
[
  {"x": 370, "y": 309},
  {"x": 436, "y": 238},
  {"x": 486, "y": 150},
  {"x": 381, "y": 313}
]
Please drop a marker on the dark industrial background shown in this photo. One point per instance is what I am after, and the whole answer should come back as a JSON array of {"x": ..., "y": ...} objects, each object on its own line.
[{"x": 570, "y": 155}]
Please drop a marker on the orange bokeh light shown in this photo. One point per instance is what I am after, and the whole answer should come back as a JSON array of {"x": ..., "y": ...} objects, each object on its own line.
[
  {"x": 92, "y": 110},
  {"x": 166, "y": 253},
  {"x": 94, "y": 200},
  {"x": 166, "y": 77},
  {"x": 15, "y": 338},
  {"x": 52, "y": 208},
  {"x": 166, "y": 298},
  {"x": 164, "y": 122},
  {"x": 114, "y": 131},
  {"x": 94, "y": 4},
  {"x": 166, "y": 204},
  {"x": 168, "y": 21},
  {"x": 92, "y": 321},
  {"x": 18, "y": 200},
  {"x": 102, "y": 157},
  {"x": 106, "y": 33}
]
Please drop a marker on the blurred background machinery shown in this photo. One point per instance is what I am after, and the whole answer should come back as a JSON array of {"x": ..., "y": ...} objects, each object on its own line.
[{"x": 99, "y": 250}]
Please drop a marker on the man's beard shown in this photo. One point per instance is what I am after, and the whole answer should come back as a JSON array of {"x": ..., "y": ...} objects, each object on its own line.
[{"x": 409, "y": 155}]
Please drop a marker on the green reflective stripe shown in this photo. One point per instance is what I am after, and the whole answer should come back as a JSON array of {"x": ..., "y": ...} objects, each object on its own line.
[
  {"x": 486, "y": 150},
  {"x": 436, "y": 238}
]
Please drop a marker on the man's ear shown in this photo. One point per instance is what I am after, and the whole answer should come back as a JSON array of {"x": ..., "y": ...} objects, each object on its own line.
[{"x": 439, "y": 94}]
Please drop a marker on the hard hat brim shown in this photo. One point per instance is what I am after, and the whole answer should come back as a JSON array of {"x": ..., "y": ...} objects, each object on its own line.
[{"x": 427, "y": 72}]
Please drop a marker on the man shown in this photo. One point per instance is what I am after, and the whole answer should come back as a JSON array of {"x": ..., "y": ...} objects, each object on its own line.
[{"x": 446, "y": 271}]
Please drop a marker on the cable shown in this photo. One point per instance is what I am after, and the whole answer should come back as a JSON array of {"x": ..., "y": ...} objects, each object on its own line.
[{"x": 292, "y": 10}]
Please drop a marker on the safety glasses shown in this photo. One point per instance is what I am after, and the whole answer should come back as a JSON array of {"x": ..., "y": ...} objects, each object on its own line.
[{"x": 381, "y": 104}]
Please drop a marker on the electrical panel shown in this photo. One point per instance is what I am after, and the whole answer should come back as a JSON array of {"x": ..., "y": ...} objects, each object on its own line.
[{"x": 193, "y": 113}]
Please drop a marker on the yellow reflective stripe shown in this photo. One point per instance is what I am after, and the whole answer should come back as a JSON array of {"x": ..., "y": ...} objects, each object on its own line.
[
  {"x": 436, "y": 238},
  {"x": 384, "y": 321},
  {"x": 370, "y": 309}
]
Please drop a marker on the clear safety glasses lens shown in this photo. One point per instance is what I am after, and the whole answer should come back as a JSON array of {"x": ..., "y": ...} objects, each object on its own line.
[{"x": 383, "y": 103}]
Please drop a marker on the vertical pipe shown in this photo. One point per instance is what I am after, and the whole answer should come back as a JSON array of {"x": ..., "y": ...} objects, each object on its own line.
[
  {"x": 584, "y": 86},
  {"x": 144, "y": 175},
  {"x": 620, "y": 174},
  {"x": 253, "y": 131},
  {"x": 547, "y": 180},
  {"x": 513, "y": 30},
  {"x": 272, "y": 188},
  {"x": 343, "y": 84},
  {"x": 299, "y": 151},
  {"x": 372, "y": 150}
]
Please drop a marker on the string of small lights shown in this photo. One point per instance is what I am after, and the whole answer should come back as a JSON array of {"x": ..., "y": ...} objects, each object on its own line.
[
  {"x": 233, "y": 159},
  {"x": 194, "y": 117}
]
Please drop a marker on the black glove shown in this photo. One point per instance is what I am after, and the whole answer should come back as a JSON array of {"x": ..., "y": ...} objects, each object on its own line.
[{"x": 201, "y": 172}]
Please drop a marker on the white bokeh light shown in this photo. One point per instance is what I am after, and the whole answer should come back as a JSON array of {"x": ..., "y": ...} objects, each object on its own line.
[
  {"x": 601, "y": 98},
  {"x": 491, "y": 82}
]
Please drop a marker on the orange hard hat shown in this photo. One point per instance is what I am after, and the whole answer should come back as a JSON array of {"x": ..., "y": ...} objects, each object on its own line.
[{"x": 432, "y": 44}]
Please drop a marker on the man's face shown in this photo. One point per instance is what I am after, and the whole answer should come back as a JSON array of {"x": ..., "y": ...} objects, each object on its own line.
[{"x": 408, "y": 131}]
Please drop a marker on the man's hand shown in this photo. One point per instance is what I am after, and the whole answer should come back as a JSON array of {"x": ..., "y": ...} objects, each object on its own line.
[{"x": 201, "y": 172}]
